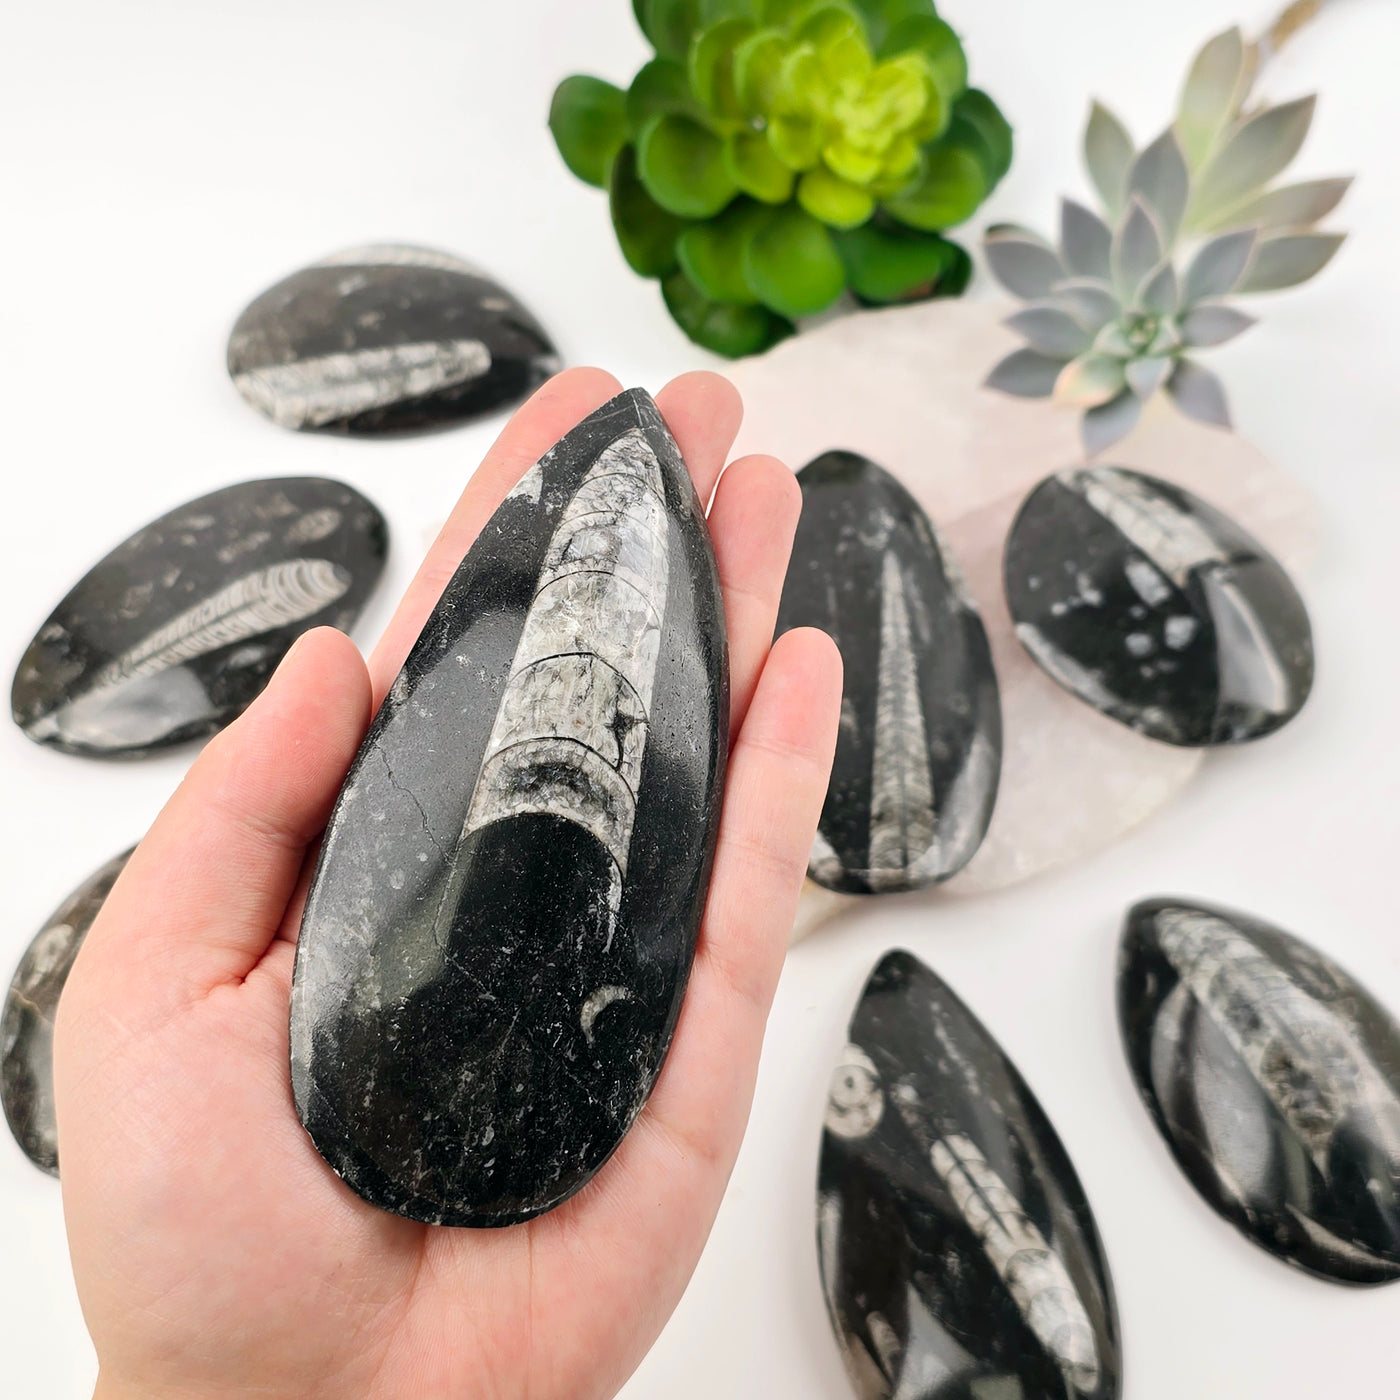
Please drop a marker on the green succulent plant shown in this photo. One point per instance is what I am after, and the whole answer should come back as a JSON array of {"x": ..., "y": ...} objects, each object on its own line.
[
  {"x": 1118, "y": 309},
  {"x": 777, "y": 153}
]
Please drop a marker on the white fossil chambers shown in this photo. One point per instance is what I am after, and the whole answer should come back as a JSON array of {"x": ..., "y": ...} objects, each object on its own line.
[
  {"x": 571, "y": 728},
  {"x": 855, "y": 1102}
]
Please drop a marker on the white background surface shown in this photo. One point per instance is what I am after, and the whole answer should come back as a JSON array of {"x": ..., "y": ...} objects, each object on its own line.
[{"x": 163, "y": 161}]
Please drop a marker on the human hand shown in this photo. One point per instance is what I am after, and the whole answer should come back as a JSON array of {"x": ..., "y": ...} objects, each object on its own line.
[{"x": 215, "y": 1252}]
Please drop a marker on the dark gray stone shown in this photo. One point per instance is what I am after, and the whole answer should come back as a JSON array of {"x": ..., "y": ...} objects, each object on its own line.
[
  {"x": 499, "y": 933},
  {"x": 1274, "y": 1077},
  {"x": 918, "y": 755},
  {"x": 178, "y": 629},
  {"x": 26, "y": 1025},
  {"x": 958, "y": 1253},
  {"x": 1157, "y": 609},
  {"x": 387, "y": 338}
]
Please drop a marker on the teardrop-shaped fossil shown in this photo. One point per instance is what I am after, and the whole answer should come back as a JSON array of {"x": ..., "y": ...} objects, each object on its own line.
[
  {"x": 26, "y": 1024},
  {"x": 174, "y": 633},
  {"x": 499, "y": 933},
  {"x": 1274, "y": 1077},
  {"x": 958, "y": 1253},
  {"x": 918, "y": 755},
  {"x": 1157, "y": 609}
]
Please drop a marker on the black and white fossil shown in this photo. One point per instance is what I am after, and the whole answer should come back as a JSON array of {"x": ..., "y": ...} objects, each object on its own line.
[
  {"x": 386, "y": 338},
  {"x": 959, "y": 1256},
  {"x": 499, "y": 933},
  {"x": 1275, "y": 1078},
  {"x": 26, "y": 1023},
  {"x": 1157, "y": 609},
  {"x": 918, "y": 755},
  {"x": 174, "y": 633}
]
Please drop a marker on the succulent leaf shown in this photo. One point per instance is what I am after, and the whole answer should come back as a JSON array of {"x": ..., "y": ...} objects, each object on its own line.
[
  {"x": 1199, "y": 394},
  {"x": 882, "y": 15},
  {"x": 711, "y": 254},
  {"x": 669, "y": 24},
  {"x": 1289, "y": 206},
  {"x": 682, "y": 165},
  {"x": 936, "y": 41},
  {"x": 1218, "y": 267},
  {"x": 756, "y": 170},
  {"x": 1086, "y": 242},
  {"x": 1214, "y": 92},
  {"x": 1252, "y": 154},
  {"x": 710, "y": 66},
  {"x": 1160, "y": 292},
  {"x": 792, "y": 265},
  {"x": 588, "y": 120},
  {"x": 1287, "y": 259},
  {"x": 1147, "y": 375},
  {"x": 834, "y": 201},
  {"x": 720, "y": 326},
  {"x": 978, "y": 124},
  {"x": 1108, "y": 154},
  {"x": 1213, "y": 324},
  {"x": 1027, "y": 374},
  {"x": 1088, "y": 300},
  {"x": 1101, "y": 427},
  {"x": 1023, "y": 262},
  {"x": 758, "y": 65},
  {"x": 646, "y": 233},
  {"x": 893, "y": 264},
  {"x": 1159, "y": 178},
  {"x": 951, "y": 188},
  {"x": 1137, "y": 249},
  {"x": 659, "y": 87},
  {"x": 1051, "y": 330},
  {"x": 796, "y": 141},
  {"x": 1089, "y": 381}
]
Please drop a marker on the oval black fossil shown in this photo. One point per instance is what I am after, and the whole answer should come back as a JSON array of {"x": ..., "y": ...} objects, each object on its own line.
[
  {"x": 1274, "y": 1077},
  {"x": 918, "y": 755},
  {"x": 499, "y": 933},
  {"x": 386, "y": 338},
  {"x": 178, "y": 629},
  {"x": 1157, "y": 609},
  {"x": 26, "y": 1024},
  {"x": 958, "y": 1253}
]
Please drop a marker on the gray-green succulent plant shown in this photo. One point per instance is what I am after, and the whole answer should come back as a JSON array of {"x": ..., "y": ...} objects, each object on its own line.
[{"x": 1118, "y": 310}]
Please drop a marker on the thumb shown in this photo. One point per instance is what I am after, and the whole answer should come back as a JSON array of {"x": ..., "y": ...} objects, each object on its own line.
[{"x": 205, "y": 892}]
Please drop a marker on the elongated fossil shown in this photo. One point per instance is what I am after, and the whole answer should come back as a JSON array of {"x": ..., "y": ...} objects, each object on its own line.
[
  {"x": 571, "y": 728},
  {"x": 1303, "y": 1056}
]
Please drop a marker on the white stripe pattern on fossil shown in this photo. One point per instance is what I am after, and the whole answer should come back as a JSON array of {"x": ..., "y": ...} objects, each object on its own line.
[
  {"x": 278, "y": 596},
  {"x": 323, "y": 389},
  {"x": 571, "y": 727},
  {"x": 1033, "y": 1273},
  {"x": 1175, "y": 541},
  {"x": 1300, "y": 1052},
  {"x": 902, "y": 821}
]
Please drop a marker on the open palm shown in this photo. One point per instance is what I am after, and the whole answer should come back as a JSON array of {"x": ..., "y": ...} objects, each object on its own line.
[{"x": 215, "y": 1253}]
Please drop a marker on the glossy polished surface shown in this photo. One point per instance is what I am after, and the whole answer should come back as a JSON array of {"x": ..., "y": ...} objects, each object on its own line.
[
  {"x": 499, "y": 933},
  {"x": 919, "y": 749},
  {"x": 26, "y": 1025},
  {"x": 1274, "y": 1077},
  {"x": 1157, "y": 609},
  {"x": 178, "y": 629},
  {"x": 959, "y": 1256},
  {"x": 387, "y": 338}
]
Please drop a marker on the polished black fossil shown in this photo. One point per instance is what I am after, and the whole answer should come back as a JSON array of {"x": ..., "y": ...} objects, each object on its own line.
[
  {"x": 918, "y": 754},
  {"x": 1274, "y": 1077},
  {"x": 1157, "y": 609},
  {"x": 958, "y": 1253},
  {"x": 26, "y": 1024},
  {"x": 499, "y": 933},
  {"x": 174, "y": 633},
  {"x": 386, "y": 338}
]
